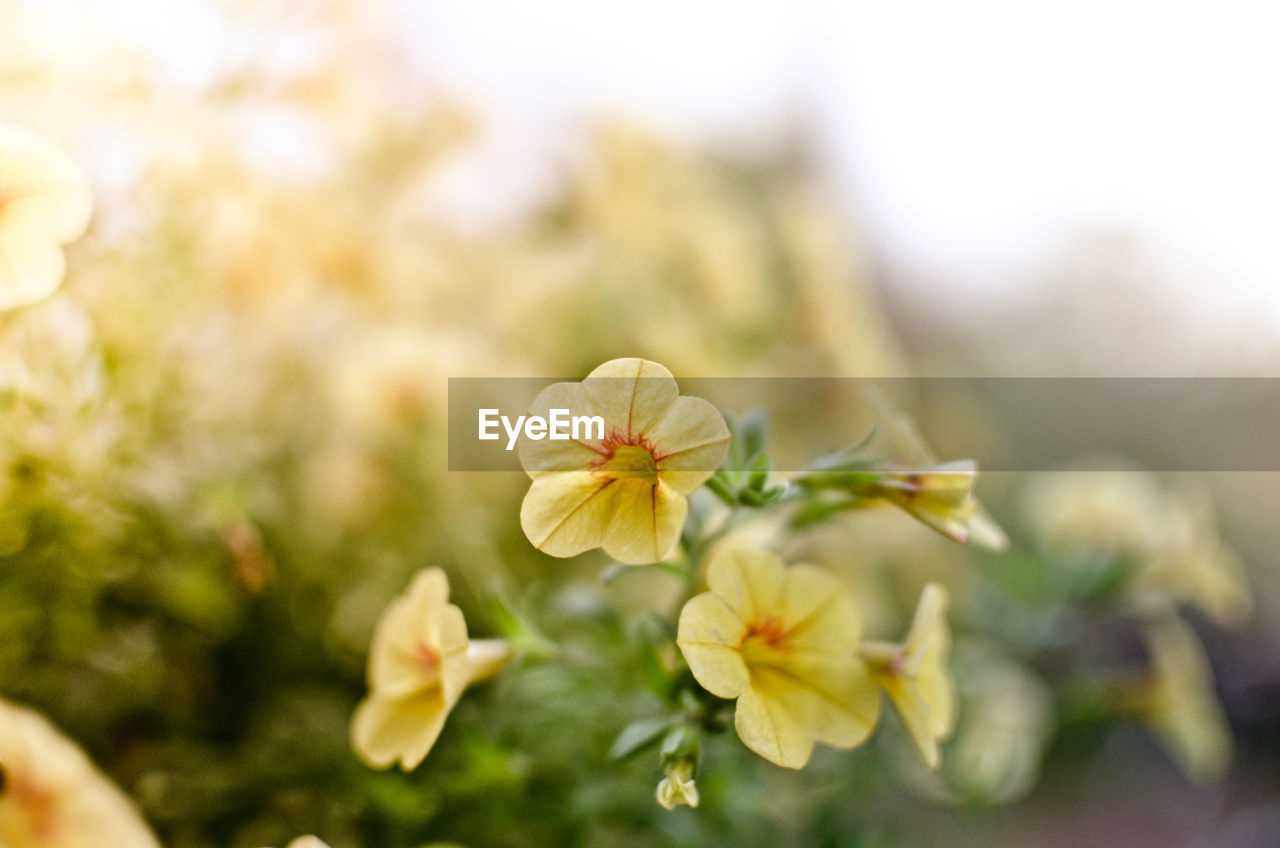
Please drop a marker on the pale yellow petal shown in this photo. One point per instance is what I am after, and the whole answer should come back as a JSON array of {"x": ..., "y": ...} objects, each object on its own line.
[
  {"x": 1219, "y": 587},
  {"x": 419, "y": 625},
  {"x": 750, "y": 581},
  {"x": 632, "y": 394},
  {"x": 709, "y": 634},
  {"x": 486, "y": 657},
  {"x": 566, "y": 513},
  {"x": 834, "y": 700},
  {"x": 53, "y": 201},
  {"x": 385, "y": 730},
  {"x": 911, "y": 708},
  {"x": 393, "y": 655},
  {"x": 938, "y": 692},
  {"x": 986, "y": 533},
  {"x": 42, "y": 189},
  {"x": 30, "y": 269},
  {"x": 930, "y": 620},
  {"x": 646, "y": 522},
  {"x": 541, "y": 456},
  {"x": 307, "y": 842},
  {"x": 819, "y": 613},
  {"x": 1185, "y": 710},
  {"x": 690, "y": 441},
  {"x": 767, "y": 727},
  {"x": 930, "y": 640},
  {"x": 455, "y": 669}
]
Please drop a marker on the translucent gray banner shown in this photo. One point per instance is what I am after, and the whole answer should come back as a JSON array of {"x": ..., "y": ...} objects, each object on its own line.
[{"x": 1006, "y": 424}]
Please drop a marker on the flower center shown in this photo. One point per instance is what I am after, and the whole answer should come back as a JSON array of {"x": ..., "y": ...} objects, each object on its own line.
[
  {"x": 765, "y": 642},
  {"x": 631, "y": 462},
  {"x": 428, "y": 660},
  {"x": 37, "y": 811}
]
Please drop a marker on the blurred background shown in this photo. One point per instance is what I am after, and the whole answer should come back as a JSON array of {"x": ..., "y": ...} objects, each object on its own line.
[{"x": 225, "y": 434}]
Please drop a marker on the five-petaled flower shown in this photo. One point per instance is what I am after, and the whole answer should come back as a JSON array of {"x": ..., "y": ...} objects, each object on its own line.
[
  {"x": 44, "y": 203},
  {"x": 783, "y": 641},
  {"x": 419, "y": 664},
  {"x": 625, "y": 492},
  {"x": 914, "y": 674}
]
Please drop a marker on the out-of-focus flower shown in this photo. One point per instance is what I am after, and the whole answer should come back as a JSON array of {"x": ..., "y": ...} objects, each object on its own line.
[
  {"x": 914, "y": 674},
  {"x": 947, "y": 508},
  {"x": 678, "y": 787},
  {"x": 783, "y": 641},
  {"x": 420, "y": 662},
  {"x": 51, "y": 796},
  {"x": 624, "y": 489},
  {"x": 1194, "y": 565},
  {"x": 1001, "y": 733},
  {"x": 681, "y": 751},
  {"x": 940, "y": 497},
  {"x": 1178, "y": 701},
  {"x": 44, "y": 203},
  {"x": 1168, "y": 535},
  {"x": 307, "y": 842},
  {"x": 1112, "y": 513}
]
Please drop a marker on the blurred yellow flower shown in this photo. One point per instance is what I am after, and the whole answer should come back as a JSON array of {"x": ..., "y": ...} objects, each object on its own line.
[
  {"x": 1178, "y": 701},
  {"x": 1192, "y": 563},
  {"x": 678, "y": 787},
  {"x": 940, "y": 497},
  {"x": 625, "y": 492},
  {"x": 419, "y": 664},
  {"x": 1169, "y": 533},
  {"x": 914, "y": 674},
  {"x": 307, "y": 842},
  {"x": 44, "y": 203},
  {"x": 783, "y": 641},
  {"x": 51, "y": 796},
  {"x": 1002, "y": 732}
]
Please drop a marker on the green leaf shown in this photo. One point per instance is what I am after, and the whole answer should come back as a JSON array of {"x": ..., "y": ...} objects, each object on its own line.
[
  {"x": 753, "y": 429},
  {"x": 817, "y": 510},
  {"x": 639, "y": 735},
  {"x": 758, "y": 471},
  {"x": 772, "y": 494},
  {"x": 716, "y": 483},
  {"x": 682, "y": 743}
]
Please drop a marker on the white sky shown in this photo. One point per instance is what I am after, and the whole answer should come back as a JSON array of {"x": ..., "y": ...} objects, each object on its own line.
[{"x": 971, "y": 138}]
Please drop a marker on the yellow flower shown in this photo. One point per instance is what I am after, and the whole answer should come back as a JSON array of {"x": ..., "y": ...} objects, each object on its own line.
[
  {"x": 44, "y": 203},
  {"x": 783, "y": 641},
  {"x": 914, "y": 674},
  {"x": 419, "y": 664},
  {"x": 51, "y": 796},
  {"x": 1179, "y": 703},
  {"x": 938, "y": 494},
  {"x": 678, "y": 787},
  {"x": 625, "y": 492},
  {"x": 940, "y": 497},
  {"x": 1002, "y": 731},
  {"x": 1169, "y": 533},
  {"x": 1193, "y": 564}
]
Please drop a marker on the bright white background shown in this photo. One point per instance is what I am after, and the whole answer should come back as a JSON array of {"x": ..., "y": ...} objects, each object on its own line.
[{"x": 973, "y": 143}]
